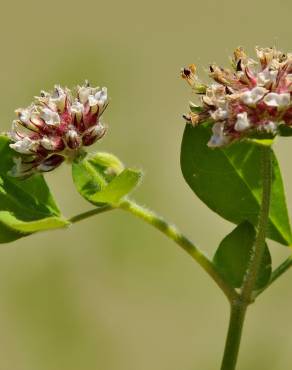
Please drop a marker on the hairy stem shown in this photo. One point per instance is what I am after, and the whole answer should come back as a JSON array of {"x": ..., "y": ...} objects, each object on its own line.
[
  {"x": 93, "y": 212},
  {"x": 173, "y": 233},
  {"x": 239, "y": 306}
]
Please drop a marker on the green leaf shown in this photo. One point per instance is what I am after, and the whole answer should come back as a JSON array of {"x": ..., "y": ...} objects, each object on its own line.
[
  {"x": 233, "y": 255},
  {"x": 26, "y": 206},
  {"x": 101, "y": 179},
  {"x": 285, "y": 130},
  {"x": 229, "y": 182}
]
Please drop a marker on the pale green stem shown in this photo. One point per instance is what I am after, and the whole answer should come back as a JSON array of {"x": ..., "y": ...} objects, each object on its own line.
[
  {"x": 93, "y": 212},
  {"x": 239, "y": 306},
  {"x": 171, "y": 232}
]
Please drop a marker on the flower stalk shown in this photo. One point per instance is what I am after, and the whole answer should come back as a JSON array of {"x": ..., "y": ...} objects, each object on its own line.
[{"x": 172, "y": 233}]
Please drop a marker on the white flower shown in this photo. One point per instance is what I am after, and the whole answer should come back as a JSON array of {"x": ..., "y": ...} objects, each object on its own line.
[
  {"x": 266, "y": 76},
  {"x": 48, "y": 143},
  {"x": 271, "y": 127},
  {"x": 277, "y": 100},
  {"x": 59, "y": 98},
  {"x": 25, "y": 146},
  {"x": 83, "y": 94},
  {"x": 242, "y": 122},
  {"x": 219, "y": 114},
  {"x": 253, "y": 96},
  {"x": 50, "y": 117},
  {"x": 77, "y": 109},
  {"x": 98, "y": 99},
  {"x": 73, "y": 139},
  {"x": 24, "y": 115},
  {"x": 218, "y": 138}
]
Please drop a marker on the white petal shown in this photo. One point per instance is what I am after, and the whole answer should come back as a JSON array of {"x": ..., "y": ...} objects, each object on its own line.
[
  {"x": 271, "y": 127},
  {"x": 47, "y": 143},
  {"x": 98, "y": 98},
  {"x": 242, "y": 122},
  {"x": 266, "y": 76},
  {"x": 254, "y": 95},
  {"x": 59, "y": 98},
  {"x": 92, "y": 100},
  {"x": 50, "y": 117},
  {"x": 101, "y": 96},
  {"x": 25, "y": 146},
  {"x": 83, "y": 94},
  {"x": 218, "y": 138},
  {"x": 277, "y": 100},
  {"x": 77, "y": 107},
  {"x": 219, "y": 114}
]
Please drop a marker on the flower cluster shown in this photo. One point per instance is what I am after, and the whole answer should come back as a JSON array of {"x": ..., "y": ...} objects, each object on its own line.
[
  {"x": 56, "y": 127},
  {"x": 251, "y": 98}
]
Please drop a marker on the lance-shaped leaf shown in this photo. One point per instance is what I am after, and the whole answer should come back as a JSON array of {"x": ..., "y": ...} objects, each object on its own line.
[
  {"x": 233, "y": 255},
  {"x": 229, "y": 181},
  {"x": 101, "y": 179},
  {"x": 26, "y": 206}
]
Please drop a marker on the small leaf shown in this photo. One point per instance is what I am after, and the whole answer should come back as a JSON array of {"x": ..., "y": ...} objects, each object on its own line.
[
  {"x": 229, "y": 181},
  {"x": 103, "y": 181},
  {"x": 26, "y": 206},
  {"x": 233, "y": 255}
]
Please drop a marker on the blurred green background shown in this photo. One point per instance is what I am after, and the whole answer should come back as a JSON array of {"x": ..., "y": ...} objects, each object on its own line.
[{"x": 111, "y": 293}]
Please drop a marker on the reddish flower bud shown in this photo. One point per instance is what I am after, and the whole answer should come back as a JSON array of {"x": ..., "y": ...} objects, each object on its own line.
[{"x": 56, "y": 127}]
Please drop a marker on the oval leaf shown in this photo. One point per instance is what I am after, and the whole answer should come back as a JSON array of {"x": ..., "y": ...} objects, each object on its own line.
[
  {"x": 26, "y": 206},
  {"x": 229, "y": 181},
  {"x": 103, "y": 181},
  {"x": 233, "y": 255}
]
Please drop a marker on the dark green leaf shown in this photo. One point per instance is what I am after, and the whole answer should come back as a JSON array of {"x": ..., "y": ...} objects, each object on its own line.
[
  {"x": 101, "y": 179},
  {"x": 233, "y": 255},
  {"x": 229, "y": 181},
  {"x": 26, "y": 206},
  {"x": 285, "y": 130}
]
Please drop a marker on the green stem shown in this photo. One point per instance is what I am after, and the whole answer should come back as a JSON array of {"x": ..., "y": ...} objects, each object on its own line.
[
  {"x": 237, "y": 315},
  {"x": 173, "y": 233},
  {"x": 279, "y": 271},
  {"x": 93, "y": 212},
  {"x": 259, "y": 246},
  {"x": 239, "y": 306}
]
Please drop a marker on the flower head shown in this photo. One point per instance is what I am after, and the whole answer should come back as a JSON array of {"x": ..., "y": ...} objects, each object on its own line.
[
  {"x": 55, "y": 127},
  {"x": 251, "y": 98}
]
